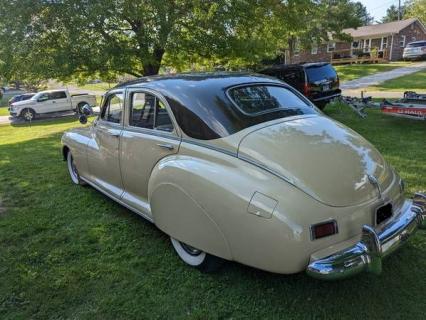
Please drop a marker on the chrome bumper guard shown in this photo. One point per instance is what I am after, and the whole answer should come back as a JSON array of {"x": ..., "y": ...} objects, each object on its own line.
[{"x": 367, "y": 254}]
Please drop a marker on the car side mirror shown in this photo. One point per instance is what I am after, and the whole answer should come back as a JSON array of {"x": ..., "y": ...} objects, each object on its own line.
[
  {"x": 83, "y": 119},
  {"x": 87, "y": 110}
]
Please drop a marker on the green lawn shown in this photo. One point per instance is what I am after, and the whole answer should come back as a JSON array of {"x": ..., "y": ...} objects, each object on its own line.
[
  {"x": 68, "y": 252},
  {"x": 3, "y": 105},
  {"x": 412, "y": 82},
  {"x": 354, "y": 71},
  {"x": 103, "y": 86}
]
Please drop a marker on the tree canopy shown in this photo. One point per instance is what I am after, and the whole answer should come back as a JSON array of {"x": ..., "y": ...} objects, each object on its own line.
[
  {"x": 416, "y": 9},
  {"x": 64, "y": 38}
]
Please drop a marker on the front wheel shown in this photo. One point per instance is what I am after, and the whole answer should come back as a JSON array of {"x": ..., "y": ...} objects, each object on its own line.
[
  {"x": 72, "y": 169},
  {"x": 28, "y": 114},
  {"x": 196, "y": 258}
]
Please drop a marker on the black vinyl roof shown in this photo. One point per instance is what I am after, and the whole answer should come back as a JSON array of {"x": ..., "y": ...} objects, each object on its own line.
[{"x": 199, "y": 101}]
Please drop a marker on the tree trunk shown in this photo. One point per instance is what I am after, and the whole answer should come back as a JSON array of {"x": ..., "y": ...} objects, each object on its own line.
[{"x": 153, "y": 66}]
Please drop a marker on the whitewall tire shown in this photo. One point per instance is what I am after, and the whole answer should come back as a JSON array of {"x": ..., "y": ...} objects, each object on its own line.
[
  {"x": 196, "y": 258},
  {"x": 72, "y": 169}
]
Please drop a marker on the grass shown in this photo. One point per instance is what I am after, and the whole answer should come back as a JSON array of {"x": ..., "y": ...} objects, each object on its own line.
[
  {"x": 3, "y": 105},
  {"x": 355, "y": 71},
  {"x": 412, "y": 82},
  {"x": 102, "y": 86},
  {"x": 69, "y": 252}
]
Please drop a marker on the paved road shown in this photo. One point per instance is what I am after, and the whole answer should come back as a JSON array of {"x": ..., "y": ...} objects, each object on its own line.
[{"x": 378, "y": 78}]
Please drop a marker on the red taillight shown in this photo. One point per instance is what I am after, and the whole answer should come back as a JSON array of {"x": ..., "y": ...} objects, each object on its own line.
[
  {"x": 307, "y": 89},
  {"x": 324, "y": 229}
]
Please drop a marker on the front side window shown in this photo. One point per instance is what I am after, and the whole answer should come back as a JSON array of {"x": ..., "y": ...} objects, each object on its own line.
[
  {"x": 113, "y": 108},
  {"x": 260, "y": 99},
  {"x": 149, "y": 112}
]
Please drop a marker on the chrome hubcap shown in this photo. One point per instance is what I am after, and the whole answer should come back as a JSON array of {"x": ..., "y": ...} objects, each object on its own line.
[
  {"x": 28, "y": 115},
  {"x": 190, "y": 250}
]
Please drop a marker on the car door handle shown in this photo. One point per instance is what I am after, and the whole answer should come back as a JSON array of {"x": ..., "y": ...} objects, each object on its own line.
[
  {"x": 166, "y": 146},
  {"x": 115, "y": 134}
]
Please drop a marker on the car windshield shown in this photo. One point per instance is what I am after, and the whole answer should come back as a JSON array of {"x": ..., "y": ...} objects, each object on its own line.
[
  {"x": 321, "y": 72},
  {"x": 260, "y": 99},
  {"x": 416, "y": 45},
  {"x": 37, "y": 95}
]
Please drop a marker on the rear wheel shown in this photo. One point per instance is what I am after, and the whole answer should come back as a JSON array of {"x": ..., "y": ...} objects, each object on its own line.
[
  {"x": 196, "y": 258},
  {"x": 28, "y": 114}
]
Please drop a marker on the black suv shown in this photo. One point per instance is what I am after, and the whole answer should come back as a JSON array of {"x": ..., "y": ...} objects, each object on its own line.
[{"x": 319, "y": 82}]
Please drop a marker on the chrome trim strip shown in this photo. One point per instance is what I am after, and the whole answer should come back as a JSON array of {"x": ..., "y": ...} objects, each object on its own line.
[
  {"x": 152, "y": 132},
  {"x": 92, "y": 184},
  {"x": 211, "y": 147},
  {"x": 367, "y": 254},
  {"x": 264, "y": 167}
]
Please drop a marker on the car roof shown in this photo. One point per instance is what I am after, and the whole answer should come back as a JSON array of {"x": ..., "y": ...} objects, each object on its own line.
[
  {"x": 292, "y": 66},
  {"x": 215, "y": 79},
  {"x": 414, "y": 42}
]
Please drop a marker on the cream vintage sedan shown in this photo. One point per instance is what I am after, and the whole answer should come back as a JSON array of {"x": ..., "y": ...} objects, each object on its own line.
[{"x": 242, "y": 167}]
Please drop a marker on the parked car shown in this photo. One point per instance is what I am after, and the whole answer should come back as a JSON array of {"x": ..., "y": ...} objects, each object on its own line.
[
  {"x": 51, "y": 101},
  {"x": 415, "y": 50},
  {"x": 20, "y": 97},
  {"x": 243, "y": 167},
  {"x": 319, "y": 82}
]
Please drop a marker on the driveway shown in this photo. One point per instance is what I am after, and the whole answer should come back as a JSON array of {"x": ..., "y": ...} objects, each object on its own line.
[{"x": 378, "y": 78}]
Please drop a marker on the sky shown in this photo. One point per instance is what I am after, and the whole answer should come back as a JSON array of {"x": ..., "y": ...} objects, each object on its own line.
[{"x": 377, "y": 8}]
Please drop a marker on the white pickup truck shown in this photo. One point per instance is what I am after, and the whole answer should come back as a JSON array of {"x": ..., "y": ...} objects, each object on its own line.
[{"x": 50, "y": 101}]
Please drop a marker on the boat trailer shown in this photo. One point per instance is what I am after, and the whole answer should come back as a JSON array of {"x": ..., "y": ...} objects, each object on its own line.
[{"x": 412, "y": 105}]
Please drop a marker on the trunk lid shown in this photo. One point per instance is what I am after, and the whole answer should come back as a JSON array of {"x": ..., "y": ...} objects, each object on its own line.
[{"x": 321, "y": 157}]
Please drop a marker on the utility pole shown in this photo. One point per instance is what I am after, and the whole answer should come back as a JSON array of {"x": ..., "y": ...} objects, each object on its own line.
[{"x": 399, "y": 10}]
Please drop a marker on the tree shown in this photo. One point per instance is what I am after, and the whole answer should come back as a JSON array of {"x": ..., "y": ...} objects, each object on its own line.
[
  {"x": 362, "y": 14},
  {"x": 392, "y": 14},
  {"x": 42, "y": 39},
  {"x": 416, "y": 9}
]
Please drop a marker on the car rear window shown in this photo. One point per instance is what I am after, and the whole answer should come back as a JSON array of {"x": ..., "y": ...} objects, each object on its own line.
[
  {"x": 321, "y": 72},
  {"x": 255, "y": 100},
  {"x": 416, "y": 45}
]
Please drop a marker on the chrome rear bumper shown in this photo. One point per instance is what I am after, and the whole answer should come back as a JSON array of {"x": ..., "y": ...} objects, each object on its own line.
[{"x": 367, "y": 254}]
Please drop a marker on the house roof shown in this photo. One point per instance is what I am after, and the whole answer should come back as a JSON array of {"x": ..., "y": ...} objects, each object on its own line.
[{"x": 381, "y": 29}]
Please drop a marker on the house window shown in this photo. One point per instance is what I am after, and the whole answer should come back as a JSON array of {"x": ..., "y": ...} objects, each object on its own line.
[
  {"x": 314, "y": 49},
  {"x": 355, "y": 45},
  {"x": 384, "y": 43},
  {"x": 331, "y": 46},
  {"x": 402, "y": 42}
]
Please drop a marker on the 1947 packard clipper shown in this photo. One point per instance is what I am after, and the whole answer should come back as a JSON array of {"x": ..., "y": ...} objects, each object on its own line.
[{"x": 242, "y": 167}]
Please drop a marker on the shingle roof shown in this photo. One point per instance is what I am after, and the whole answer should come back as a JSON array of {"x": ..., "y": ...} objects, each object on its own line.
[{"x": 381, "y": 29}]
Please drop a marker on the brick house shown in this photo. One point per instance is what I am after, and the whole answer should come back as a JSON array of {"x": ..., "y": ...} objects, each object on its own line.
[{"x": 385, "y": 41}]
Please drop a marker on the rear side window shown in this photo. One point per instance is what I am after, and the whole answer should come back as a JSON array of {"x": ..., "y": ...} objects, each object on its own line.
[
  {"x": 416, "y": 45},
  {"x": 322, "y": 72},
  {"x": 260, "y": 99},
  {"x": 58, "y": 95},
  {"x": 147, "y": 111}
]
